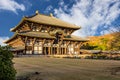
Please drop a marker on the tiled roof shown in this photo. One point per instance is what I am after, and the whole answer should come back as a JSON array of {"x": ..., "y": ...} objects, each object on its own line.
[
  {"x": 48, "y": 20},
  {"x": 18, "y": 48},
  {"x": 44, "y": 35},
  {"x": 76, "y": 38},
  {"x": 31, "y": 34}
]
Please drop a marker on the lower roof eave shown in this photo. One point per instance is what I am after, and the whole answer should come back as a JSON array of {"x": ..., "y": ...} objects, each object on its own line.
[{"x": 75, "y": 40}]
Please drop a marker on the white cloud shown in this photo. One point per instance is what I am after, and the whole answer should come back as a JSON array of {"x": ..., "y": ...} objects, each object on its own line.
[
  {"x": 2, "y": 39},
  {"x": 49, "y": 8},
  {"x": 91, "y": 15},
  {"x": 61, "y": 3},
  {"x": 11, "y": 5}
]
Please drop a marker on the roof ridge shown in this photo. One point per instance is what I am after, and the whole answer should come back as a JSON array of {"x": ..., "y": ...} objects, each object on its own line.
[{"x": 37, "y": 13}]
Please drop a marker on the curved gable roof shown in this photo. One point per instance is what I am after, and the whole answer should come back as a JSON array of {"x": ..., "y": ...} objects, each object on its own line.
[{"x": 48, "y": 20}]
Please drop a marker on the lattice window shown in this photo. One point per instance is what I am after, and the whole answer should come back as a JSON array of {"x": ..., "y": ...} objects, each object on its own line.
[
  {"x": 38, "y": 47},
  {"x": 29, "y": 52}
]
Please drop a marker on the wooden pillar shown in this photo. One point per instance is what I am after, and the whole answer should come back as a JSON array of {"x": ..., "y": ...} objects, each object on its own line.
[
  {"x": 60, "y": 50},
  {"x": 79, "y": 45},
  {"x": 26, "y": 38},
  {"x": 49, "y": 50},
  {"x": 51, "y": 47},
  {"x": 67, "y": 46},
  {"x": 63, "y": 50},
  {"x": 57, "y": 49},
  {"x": 43, "y": 48},
  {"x": 33, "y": 42},
  {"x": 74, "y": 46}
]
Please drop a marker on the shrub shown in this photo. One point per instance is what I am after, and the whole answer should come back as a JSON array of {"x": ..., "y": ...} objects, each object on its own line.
[
  {"x": 116, "y": 58},
  {"x": 7, "y": 71},
  {"x": 98, "y": 56}
]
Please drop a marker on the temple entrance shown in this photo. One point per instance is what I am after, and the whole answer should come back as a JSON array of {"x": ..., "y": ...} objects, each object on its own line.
[
  {"x": 54, "y": 50},
  {"x": 45, "y": 51}
]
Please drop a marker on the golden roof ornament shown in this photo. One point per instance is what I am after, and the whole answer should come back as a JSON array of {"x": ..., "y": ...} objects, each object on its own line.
[
  {"x": 51, "y": 15},
  {"x": 37, "y": 12}
]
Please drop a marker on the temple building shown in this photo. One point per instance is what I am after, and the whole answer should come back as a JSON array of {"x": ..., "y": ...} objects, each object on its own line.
[{"x": 44, "y": 35}]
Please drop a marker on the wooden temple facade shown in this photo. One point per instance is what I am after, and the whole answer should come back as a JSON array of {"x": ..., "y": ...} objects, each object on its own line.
[{"x": 45, "y": 35}]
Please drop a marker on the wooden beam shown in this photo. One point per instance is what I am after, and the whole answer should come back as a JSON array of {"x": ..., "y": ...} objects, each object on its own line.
[
  {"x": 48, "y": 29},
  {"x": 71, "y": 31},
  {"x": 40, "y": 27}
]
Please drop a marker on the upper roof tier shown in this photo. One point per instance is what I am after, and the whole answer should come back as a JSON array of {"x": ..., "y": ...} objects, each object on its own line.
[{"x": 47, "y": 20}]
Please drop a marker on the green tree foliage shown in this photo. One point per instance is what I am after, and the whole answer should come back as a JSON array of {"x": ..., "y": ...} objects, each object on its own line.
[
  {"x": 115, "y": 43},
  {"x": 88, "y": 46},
  {"x": 7, "y": 71},
  {"x": 101, "y": 45}
]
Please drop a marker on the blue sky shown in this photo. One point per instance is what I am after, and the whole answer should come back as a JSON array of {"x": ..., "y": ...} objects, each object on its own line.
[{"x": 96, "y": 17}]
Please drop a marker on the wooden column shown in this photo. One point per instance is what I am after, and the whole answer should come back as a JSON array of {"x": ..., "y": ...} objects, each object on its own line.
[
  {"x": 49, "y": 50},
  {"x": 57, "y": 49},
  {"x": 43, "y": 48},
  {"x": 67, "y": 43},
  {"x": 79, "y": 45},
  {"x": 52, "y": 46},
  {"x": 26, "y": 38},
  {"x": 65, "y": 47},
  {"x": 74, "y": 46},
  {"x": 62, "y": 50},
  {"x": 54, "y": 50},
  {"x": 33, "y": 42}
]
